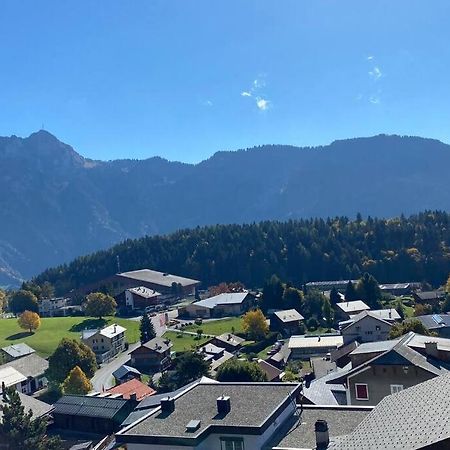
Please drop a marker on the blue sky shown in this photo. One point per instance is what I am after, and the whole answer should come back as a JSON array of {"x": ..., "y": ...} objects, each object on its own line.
[{"x": 184, "y": 79}]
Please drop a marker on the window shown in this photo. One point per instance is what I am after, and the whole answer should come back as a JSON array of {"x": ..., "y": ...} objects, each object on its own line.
[
  {"x": 362, "y": 391},
  {"x": 396, "y": 388},
  {"x": 231, "y": 443},
  {"x": 378, "y": 328}
]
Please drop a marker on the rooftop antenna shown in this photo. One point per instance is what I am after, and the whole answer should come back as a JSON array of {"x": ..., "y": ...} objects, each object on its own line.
[
  {"x": 42, "y": 127},
  {"x": 118, "y": 263}
]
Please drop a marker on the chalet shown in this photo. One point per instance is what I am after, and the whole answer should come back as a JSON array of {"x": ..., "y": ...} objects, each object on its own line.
[
  {"x": 286, "y": 322},
  {"x": 437, "y": 323},
  {"x": 16, "y": 351},
  {"x": 387, "y": 367},
  {"x": 303, "y": 347},
  {"x": 345, "y": 310},
  {"x": 412, "y": 418},
  {"x": 98, "y": 414},
  {"x": 228, "y": 341},
  {"x": 429, "y": 297},
  {"x": 106, "y": 343},
  {"x": 222, "y": 305},
  {"x": 398, "y": 289},
  {"x": 366, "y": 327},
  {"x": 212, "y": 415},
  {"x": 324, "y": 286},
  {"x": 32, "y": 370},
  {"x": 57, "y": 307},
  {"x": 126, "y": 373},
  {"x": 157, "y": 281},
  {"x": 153, "y": 355},
  {"x": 132, "y": 389},
  {"x": 138, "y": 298}
]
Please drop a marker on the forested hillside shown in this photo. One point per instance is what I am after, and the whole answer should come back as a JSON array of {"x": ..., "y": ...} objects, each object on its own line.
[
  {"x": 402, "y": 249},
  {"x": 56, "y": 205}
]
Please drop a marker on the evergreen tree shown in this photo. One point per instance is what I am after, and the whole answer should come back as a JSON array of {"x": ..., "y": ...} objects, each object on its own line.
[
  {"x": 190, "y": 366},
  {"x": 272, "y": 294},
  {"x": 147, "y": 329},
  {"x": 19, "y": 430},
  {"x": 369, "y": 290},
  {"x": 350, "y": 292},
  {"x": 327, "y": 312},
  {"x": 292, "y": 299},
  {"x": 334, "y": 296}
]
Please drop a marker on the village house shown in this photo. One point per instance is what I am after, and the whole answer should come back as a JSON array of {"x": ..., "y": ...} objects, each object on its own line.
[
  {"x": 365, "y": 327},
  {"x": 345, "y": 310},
  {"x": 132, "y": 389},
  {"x": 303, "y": 347},
  {"x": 429, "y": 297},
  {"x": 229, "y": 342},
  {"x": 57, "y": 307},
  {"x": 16, "y": 351},
  {"x": 399, "y": 289},
  {"x": 157, "y": 281},
  {"x": 437, "y": 323},
  {"x": 286, "y": 322},
  {"x": 153, "y": 355},
  {"x": 272, "y": 373},
  {"x": 37, "y": 407},
  {"x": 214, "y": 355},
  {"x": 32, "y": 369},
  {"x": 222, "y": 305},
  {"x": 126, "y": 373},
  {"x": 106, "y": 343},
  {"x": 98, "y": 414},
  {"x": 324, "y": 286},
  {"x": 138, "y": 298},
  {"x": 383, "y": 368},
  {"x": 10, "y": 377},
  {"x": 212, "y": 415}
]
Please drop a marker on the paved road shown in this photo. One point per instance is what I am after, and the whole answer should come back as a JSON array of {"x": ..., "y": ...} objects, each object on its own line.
[{"x": 103, "y": 378}]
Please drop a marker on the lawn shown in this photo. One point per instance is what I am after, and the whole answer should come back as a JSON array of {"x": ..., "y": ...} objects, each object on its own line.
[
  {"x": 217, "y": 327},
  {"x": 53, "y": 329},
  {"x": 183, "y": 342}
]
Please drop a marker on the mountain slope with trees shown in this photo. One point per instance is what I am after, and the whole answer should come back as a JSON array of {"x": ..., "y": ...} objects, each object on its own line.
[
  {"x": 393, "y": 250},
  {"x": 56, "y": 205}
]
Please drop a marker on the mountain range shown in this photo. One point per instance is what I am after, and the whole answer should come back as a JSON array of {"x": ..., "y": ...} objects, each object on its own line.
[{"x": 56, "y": 205}]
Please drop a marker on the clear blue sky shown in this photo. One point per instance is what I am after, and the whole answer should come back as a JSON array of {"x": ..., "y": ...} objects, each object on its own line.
[{"x": 184, "y": 79}]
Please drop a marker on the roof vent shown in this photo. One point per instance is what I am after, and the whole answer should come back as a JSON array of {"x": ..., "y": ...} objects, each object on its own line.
[
  {"x": 167, "y": 405},
  {"x": 193, "y": 425},
  {"x": 322, "y": 434},
  {"x": 223, "y": 405}
]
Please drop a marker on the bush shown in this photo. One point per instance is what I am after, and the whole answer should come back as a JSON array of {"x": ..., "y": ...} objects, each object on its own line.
[{"x": 312, "y": 324}]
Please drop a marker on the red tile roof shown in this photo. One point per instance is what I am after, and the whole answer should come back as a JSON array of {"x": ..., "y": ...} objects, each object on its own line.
[{"x": 133, "y": 386}]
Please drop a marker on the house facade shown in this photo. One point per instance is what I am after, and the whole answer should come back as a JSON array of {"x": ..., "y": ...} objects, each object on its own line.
[
  {"x": 366, "y": 327},
  {"x": 152, "y": 356},
  {"x": 303, "y": 347},
  {"x": 286, "y": 322},
  {"x": 345, "y": 310},
  {"x": 105, "y": 343}
]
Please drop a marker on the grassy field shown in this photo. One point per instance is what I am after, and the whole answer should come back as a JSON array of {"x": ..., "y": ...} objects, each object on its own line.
[
  {"x": 183, "y": 342},
  {"x": 53, "y": 329},
  {"x": 217, "y": 327}
]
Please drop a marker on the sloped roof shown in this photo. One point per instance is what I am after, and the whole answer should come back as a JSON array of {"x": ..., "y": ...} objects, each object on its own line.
[
  {"x": 86, "y": 406},
  {"x": 429, "y": 295},
  {"x": 288, "y": 315},
  {"x": 228, "y": 298},
  {"x": 31, "y": 365},
  {"x": 349, "y": 307},
  {"x": 157, "y": 344},
  {"x": 385, "y": 314},
  {"x": 230, "y": 339},
  {"x": 435, "y": 321},
  {"x": 303, "y": 341},
  {"x": 361, "y": 316},
  {"x": 10, "y": 376},
  {"x": 144, "y": 292},
  {"x": 37, "y": 407},
  {"x": 413, "y": 418},
  {"x": 271, "y": 372},
  {"x": 18, "y": 350},
  {"x": 132, "y": 387},
  {"x": 124, "y": 370},
  {"x": 158, "y": 278}
]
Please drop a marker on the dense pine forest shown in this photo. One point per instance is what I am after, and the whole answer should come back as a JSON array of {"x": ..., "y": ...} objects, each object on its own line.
[{"x": 416, "y": 248}]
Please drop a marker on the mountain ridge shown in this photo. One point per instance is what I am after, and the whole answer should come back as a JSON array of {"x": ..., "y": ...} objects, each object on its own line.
[{"x": 57, "y": 205}]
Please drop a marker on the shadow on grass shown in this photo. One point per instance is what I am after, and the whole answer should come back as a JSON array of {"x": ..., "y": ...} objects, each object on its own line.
[
  {"x": 16, "y": 336},
  {"x": 89, "y": 324}
]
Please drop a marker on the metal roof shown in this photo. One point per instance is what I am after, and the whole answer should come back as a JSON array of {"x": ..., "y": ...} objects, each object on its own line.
[
  {"x": 124, "y": 370},
  {"x": 304, "y": 341},
  {"x": 144, "y": 292},
  {"x": 414, "y": 418},
  {"x": 288, "y": 315},
  {"x": 349, "y": 307},
  {"x": 10, "y": 376},
  {"x": 18, "y": 350},
  {"x": 80, "y": 405},
  {"x": 229, "y": 298},
  {"x": 158, "y": 278}
]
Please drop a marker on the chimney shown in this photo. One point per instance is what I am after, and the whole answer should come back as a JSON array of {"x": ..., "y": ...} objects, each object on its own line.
[
  {"x": 115, "y": 328},
  {"x": 167, "y": 405},
  {"x": 390, "y": 314},
  {"x": 133, "y": 396},
  {"x": 322, "y": 435},
  {"x": 223, "y": 405},
  {"x": 431, "y": 349}
]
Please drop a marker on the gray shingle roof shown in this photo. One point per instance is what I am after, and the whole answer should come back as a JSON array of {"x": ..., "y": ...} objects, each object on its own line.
[
  {"x": 18, "y": 350},
  {"x": 252, "y": 405},
  {"x": 414, "y": 418},
  {"x": 157, "y": 344},
  {"x": 230, "y": 339},
  {"x": 435, "y": 321},
  {"x": 30, "y": 365},
  {"x": 430, "y": 295},
  {"x": 341, "y": 420},
  {"x": 124, "y": 370},
  {"x": 80, "y": 405},
  {"x": 38, "y": 408}
]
